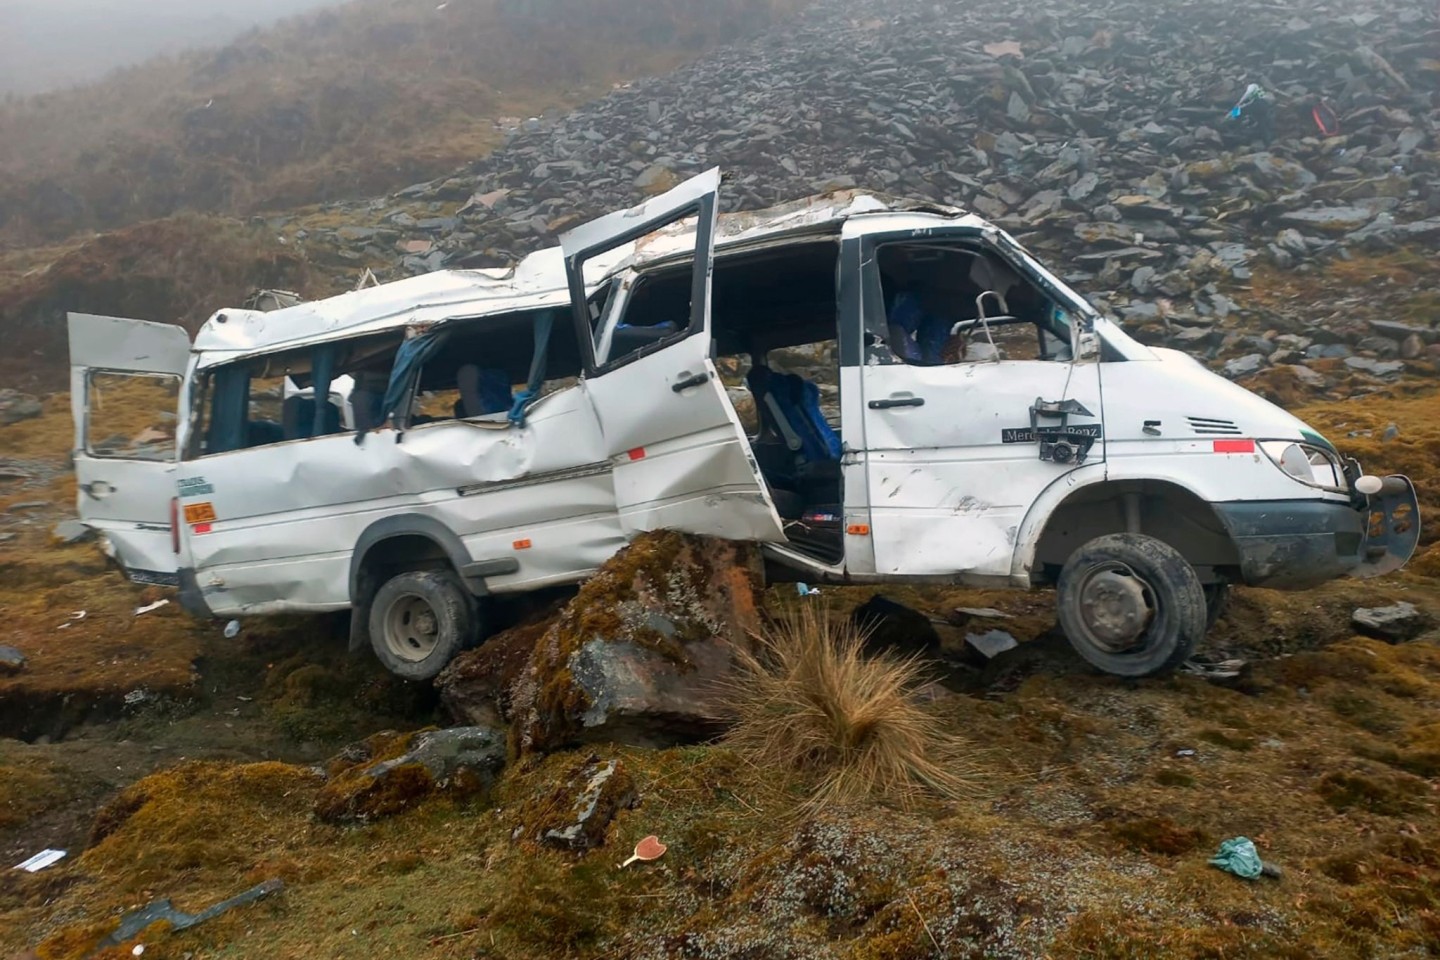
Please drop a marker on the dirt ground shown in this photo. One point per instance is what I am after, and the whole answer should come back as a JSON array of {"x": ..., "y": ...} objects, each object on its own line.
[{"x": 1096, "y": 801}]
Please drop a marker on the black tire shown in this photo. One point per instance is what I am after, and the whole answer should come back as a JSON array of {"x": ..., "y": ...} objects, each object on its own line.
[
  {"x": 419, "y": 621},
  {"x": 1131, "y": 605},
  {"x": 1217, "y": 601}
]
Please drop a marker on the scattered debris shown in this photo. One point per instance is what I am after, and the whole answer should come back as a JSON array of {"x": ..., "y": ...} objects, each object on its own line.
[
  {"x": 889, "y": 624},
  {"x": 1238, "y": 856},
  {"x": 805, "y": 590},
  {"x": 980, "y": 648},
  {"x": 649, "y": 848},
  {"x": 41, "y": 860},
  {"x": 232, "y": 630},
  {"x": 151, "y": 606},
  {"x": 72, "y": 531},
  {"x": 137, "y": 920},
  {"x": 962, "y": 615},
  {"x": 1395, "y": 623},
  {"x": 11, "y": 660}
]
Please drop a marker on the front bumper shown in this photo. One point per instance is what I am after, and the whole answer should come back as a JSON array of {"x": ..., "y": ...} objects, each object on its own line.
[{"x": 1297, "y": 544}]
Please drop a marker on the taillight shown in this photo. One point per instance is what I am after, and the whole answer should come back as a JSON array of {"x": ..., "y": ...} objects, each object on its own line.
[{"x": 175, "y": 524}]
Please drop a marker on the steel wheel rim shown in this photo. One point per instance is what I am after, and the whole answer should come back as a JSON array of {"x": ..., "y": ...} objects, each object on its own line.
[
  {"x": 412, "y": 629},
  {"x": 1117, "y": 607}
]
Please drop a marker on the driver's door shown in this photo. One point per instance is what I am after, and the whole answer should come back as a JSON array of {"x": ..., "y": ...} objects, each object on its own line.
[
  {"x": 956, "y": 454},
  {"x": 680, "y": 456},
  {"x": 125, "y": 378}
]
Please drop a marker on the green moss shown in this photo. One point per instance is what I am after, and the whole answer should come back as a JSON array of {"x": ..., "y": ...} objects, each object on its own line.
[
  {"x": 1159, "y": 835},
  {"x": 1391, "y": 796},
  {"x": 1174, "y": 778}
]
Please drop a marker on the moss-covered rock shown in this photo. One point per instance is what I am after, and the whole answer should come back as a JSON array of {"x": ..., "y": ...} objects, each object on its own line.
[
  {"x": 639, "y": 655},
  {"x": 401, "y": 772}
]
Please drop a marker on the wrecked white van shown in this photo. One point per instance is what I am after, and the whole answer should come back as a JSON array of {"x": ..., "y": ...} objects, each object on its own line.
[{"x": 964, "y": 417}]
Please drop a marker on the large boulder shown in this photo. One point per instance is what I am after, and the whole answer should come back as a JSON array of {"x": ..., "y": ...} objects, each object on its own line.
[
  {"x": 16, "y": 406},
  {"x": 389, "y": 773},
  {"x": 639, "y": 656}
]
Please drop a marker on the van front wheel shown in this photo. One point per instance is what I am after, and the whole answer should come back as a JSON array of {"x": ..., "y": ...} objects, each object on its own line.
[
  {"x": 1131, "y": 605},
  {"x": 418, "y": 621}
]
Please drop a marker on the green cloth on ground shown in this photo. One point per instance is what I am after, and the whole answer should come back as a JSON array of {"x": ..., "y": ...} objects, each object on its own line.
[{"x": 1239, "y": 856}]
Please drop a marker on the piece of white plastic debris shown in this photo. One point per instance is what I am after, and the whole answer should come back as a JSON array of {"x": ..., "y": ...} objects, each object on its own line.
[
  {"x": 138, "y": 949},
  {"x": 805, "y": 590},
  {"x": 232, "y": 629},
  {"x": 650, "y": 848},
  {"x": 77, "y": 615},
  {"x": 150, "y": 606},
  {"x": 41, "y": 860}
]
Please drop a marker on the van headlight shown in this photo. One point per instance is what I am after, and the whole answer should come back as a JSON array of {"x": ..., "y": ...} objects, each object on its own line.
[{"x": 1306, "y": 463}]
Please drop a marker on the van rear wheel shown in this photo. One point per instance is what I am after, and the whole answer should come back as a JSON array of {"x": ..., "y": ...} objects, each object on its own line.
[
  {"x": 419, "y": 621},
  {"x": 1131, "y": 605}
]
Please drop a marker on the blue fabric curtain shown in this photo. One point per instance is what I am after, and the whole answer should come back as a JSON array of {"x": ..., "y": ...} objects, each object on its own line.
[
  {"x": 543, "y": 325},
  {"x": 408, "y": 360},
  {"x": 229, "y": 408},
  {"x": 322, "y": 371}
]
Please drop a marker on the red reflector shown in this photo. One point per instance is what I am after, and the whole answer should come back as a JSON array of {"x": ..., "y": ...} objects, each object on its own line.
[
  {"x": 521, "y": 544},
  {"x": 200, "y": 528},
  {"x": 1234, "y": 446},
  {"x": 637, "y": 454}
]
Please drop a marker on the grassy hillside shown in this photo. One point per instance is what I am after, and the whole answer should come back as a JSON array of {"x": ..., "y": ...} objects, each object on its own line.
[{"x": 348, "y": 101}]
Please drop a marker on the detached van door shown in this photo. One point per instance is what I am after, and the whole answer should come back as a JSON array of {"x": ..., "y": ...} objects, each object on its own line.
[
  {"x": 125, "y": 378},
  {"x": 680, "y": 457}
]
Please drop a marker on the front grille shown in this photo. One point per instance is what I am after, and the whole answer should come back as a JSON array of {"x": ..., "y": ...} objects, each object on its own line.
[{"x": 1210, "y": 427}]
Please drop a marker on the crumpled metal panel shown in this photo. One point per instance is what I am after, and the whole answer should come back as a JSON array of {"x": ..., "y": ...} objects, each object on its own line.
[
  {"x": 288, "y": 515},
  {"x": 536, "y": 282}
]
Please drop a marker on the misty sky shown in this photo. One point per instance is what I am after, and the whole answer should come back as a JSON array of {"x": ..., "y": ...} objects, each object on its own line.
[{"x": 50, "y": 43}]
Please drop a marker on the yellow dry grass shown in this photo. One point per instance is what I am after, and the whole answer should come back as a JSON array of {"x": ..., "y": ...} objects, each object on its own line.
[{"x": 813, "y": 703}]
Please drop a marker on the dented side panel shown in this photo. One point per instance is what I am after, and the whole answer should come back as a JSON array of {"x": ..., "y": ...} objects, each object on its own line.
[{"x": 286, "y": 517}]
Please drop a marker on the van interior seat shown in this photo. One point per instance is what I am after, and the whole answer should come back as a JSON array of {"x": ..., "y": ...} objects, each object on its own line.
[
  {"x": 482, "y": 390},
  {"x": 365, "y": 407},
  {"x": 628, "y": 339},
  {"x": 797, "y": 450},
  {"x": 297, "y": 418}
]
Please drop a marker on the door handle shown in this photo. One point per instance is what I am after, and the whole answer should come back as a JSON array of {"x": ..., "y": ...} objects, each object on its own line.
[
  {"x": 97, "y": 489},
  {"x": 889, "y": 402},
  {"x": 689, "y": 382}
]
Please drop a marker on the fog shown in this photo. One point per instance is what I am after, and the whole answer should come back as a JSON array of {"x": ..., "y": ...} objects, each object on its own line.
[{"x": 46, "y": 44}]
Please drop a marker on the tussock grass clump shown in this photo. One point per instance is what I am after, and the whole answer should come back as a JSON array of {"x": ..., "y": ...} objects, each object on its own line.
[{"x": 813, "y": 705}]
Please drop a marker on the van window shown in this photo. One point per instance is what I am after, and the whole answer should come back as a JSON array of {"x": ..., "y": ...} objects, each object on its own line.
[
  {"x": 946, "y": 303},
  {"x": 482, "y": 366},
  {"x": 318, "y": 391},
  {"x": 131, "y": 416}
]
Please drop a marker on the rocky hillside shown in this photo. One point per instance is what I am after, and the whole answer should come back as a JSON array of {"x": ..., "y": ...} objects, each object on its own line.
[
  {"x": 355, "y": 99},
  {"x": 1101, "y": 135}
]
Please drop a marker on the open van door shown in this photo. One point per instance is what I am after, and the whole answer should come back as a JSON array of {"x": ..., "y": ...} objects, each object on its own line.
[
  {"x": 680, "y": 456},
  {"x": 125, "y": 378}
]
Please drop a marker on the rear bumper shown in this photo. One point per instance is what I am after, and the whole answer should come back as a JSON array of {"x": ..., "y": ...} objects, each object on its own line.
[
  {"x": 1297, "y": 544},
  {"x": 191, "y": 598}
]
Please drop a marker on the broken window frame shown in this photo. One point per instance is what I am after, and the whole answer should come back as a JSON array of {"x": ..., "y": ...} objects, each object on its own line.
[
  {"x": 172, "y": 454},
  {"x": 978, "y": 241},
  {"x": 332, "y": 358}
]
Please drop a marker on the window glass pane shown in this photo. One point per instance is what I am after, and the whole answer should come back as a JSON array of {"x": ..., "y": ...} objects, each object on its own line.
[{"x": 131, "y": 416}]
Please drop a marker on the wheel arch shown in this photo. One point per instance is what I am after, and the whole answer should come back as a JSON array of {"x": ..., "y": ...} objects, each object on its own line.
[
  {"x": 406, "y": 541},
  {"x": 1069, "y": 515}
]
